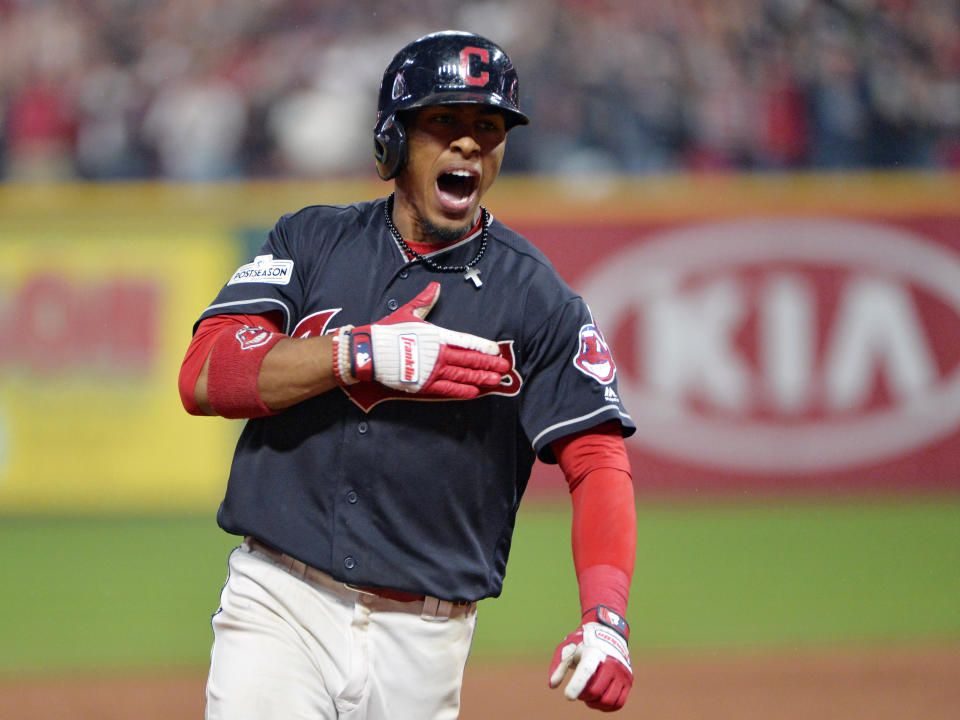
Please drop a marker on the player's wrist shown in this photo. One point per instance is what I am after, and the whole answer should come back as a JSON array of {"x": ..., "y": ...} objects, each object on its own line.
[
  {"x": 361, "y": 354},
  {"x": 342, "y": 352},
  {"x": 609, "y": 618}
]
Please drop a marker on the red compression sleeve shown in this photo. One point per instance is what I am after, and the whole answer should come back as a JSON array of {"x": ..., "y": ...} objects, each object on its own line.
[
  {"x": 604, "y": 529},
  {"x": 208, "y": 333}
]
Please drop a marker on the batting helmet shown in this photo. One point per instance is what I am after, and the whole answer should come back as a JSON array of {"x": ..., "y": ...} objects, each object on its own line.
[{"x": 439, "y": 69}]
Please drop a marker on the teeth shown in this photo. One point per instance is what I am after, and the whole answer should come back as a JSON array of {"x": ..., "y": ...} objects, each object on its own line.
[{"x": 460, "y": 173}]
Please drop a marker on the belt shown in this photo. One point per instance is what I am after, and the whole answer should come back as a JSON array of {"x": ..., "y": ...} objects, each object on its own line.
[{"x": 428, "y": 607}]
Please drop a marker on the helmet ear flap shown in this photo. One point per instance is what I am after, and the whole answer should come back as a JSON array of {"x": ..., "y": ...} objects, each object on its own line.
[{"x": 390, "y": 147}]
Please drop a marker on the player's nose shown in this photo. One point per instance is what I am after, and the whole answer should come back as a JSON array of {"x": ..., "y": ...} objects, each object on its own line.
[{"x": 466, "y": 144}]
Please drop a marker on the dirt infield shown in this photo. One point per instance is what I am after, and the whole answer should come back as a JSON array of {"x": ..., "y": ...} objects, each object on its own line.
[{"x": 878, "y": 684}]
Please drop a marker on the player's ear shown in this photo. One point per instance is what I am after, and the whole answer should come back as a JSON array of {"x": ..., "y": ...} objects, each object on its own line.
[{"x": 390, "y": 147}]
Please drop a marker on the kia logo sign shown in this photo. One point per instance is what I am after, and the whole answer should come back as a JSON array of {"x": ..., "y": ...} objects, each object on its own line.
[{"x": 784, "y": 345}]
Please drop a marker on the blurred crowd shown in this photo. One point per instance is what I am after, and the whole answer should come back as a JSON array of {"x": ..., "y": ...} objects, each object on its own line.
[{"x": 215, "y": 89}]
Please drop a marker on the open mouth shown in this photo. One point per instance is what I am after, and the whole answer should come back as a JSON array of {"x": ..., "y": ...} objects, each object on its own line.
[{"x": 455, "y": 189}]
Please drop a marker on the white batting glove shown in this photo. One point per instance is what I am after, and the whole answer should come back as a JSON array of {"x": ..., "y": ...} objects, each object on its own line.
[
  {"x": 404, "y": 352},
  {"x": 597, "y": 652}
]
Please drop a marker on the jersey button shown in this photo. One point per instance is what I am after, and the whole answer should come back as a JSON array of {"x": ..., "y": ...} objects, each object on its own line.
[
  {"x": 392, "y": 304},
  {"x": 362, "y": 427},
  {"x": 349, "y": 563},
  {"x": 352, "y": 497},
  {"x": 404, "y": 274}
]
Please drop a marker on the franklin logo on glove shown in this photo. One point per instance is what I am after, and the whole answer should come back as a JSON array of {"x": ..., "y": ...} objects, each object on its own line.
[
  {"x": 405, "y": 352},
  {"x": 410, "y": 359}
]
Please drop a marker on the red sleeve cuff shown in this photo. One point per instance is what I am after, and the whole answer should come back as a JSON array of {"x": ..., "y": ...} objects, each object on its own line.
[
  {"x": 233, "y": 376},
  {"x": 201, "y": 345},
  {"x": 586, "y": 451}
]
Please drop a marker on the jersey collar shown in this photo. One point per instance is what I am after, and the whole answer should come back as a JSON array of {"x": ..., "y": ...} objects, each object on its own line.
[{"x": 424, "y": 248}]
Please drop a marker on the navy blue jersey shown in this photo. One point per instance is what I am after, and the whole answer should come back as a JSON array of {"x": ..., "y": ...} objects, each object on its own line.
[{"x": 385, "y": 489}]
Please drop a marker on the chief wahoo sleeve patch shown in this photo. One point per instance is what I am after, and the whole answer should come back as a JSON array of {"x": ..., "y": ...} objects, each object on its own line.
[{"x": 593, "y": 356}]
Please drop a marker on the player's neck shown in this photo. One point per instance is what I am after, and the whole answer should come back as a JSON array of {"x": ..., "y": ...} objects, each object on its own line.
[
  {"x": 425, "y": 248},
  {"x": 420, "y": 235}
]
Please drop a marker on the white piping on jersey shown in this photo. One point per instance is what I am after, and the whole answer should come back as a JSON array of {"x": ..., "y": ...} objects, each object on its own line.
[
  {"x": 286, "y": 310},
  {"x": 464, "y": 241},
  {"x": 574, "y": 421}
]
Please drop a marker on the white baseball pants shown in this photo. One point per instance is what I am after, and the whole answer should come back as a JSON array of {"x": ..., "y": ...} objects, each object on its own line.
[{"x": 294, "y": 643}]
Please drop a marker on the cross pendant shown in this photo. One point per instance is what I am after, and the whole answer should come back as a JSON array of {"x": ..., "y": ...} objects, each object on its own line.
[{"x": 473, "y": 274}]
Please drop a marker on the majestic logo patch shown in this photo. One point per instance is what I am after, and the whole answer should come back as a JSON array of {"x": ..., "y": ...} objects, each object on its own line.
[
  {"x": 252, "y": 337},
  {"x": 264, "y": 269},
  {"x": 593, "y": 357}
]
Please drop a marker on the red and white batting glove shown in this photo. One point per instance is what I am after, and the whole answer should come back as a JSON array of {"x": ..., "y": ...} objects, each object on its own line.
[
  {"x": 597, "y": 651},
  {"x": 404, "y": 352}
]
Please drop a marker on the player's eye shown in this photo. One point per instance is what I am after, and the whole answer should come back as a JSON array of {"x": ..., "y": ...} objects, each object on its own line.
[{"x": 491, "y": 128}]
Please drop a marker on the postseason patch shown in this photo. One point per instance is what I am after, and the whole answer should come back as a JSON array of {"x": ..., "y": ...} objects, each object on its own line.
[
  {"x": 264, "y": 269},
  {"x": 593, "y": 356}
]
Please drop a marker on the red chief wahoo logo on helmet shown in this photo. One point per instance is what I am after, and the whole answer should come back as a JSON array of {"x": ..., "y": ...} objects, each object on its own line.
[{"x": 593, "y": 357}]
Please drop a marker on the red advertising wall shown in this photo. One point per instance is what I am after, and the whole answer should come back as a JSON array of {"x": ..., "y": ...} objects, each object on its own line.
[
  {"x": 772, "y": 333},
  {"x": 794, "y": 345}
]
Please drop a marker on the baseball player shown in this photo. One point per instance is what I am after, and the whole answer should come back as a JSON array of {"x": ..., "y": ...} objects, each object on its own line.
[{"x": 401, "y": 363}]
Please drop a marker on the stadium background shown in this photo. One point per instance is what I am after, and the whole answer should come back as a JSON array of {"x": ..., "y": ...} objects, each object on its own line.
[{"x": 146, "y": 147}]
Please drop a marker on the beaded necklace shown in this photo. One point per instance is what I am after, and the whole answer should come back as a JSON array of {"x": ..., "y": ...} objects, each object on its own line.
[{"x": 470, "y": 272}]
